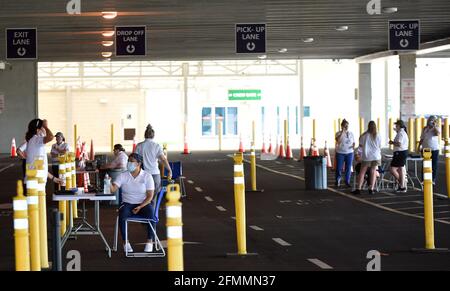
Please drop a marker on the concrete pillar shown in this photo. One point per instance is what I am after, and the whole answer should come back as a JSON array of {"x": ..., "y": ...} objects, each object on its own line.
[
  {"x": 407, "y": 86},
  {"x": 18, "y": 83},
  {"x": 302, "y": 96},
  {"x": 365, "y": 92}
]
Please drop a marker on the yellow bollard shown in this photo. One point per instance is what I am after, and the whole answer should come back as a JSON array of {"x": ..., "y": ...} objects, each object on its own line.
[
  {"x": 74, "y": 183},
  {"x": 253, "y": 169},
  {"x": 391, "y": 128},
  {"x": 75, "y": 134},
  {"x": 338, "y": 125},
  {"x": 418, "y": 133},
  {"x": 112, "y": 137},
  {"x": 62, "y": 204},
  {"x": 220, "y": 134},
  {"x": 33, "y": 218},
  {"x": 21, "y": 242},
  {"x": 447, "y": 155},
  {"x": 42, "y": 181},
  {"x": 314, "y": 129},
  {"x": 161, "y": 167},
  {"x": 423, "y": 122},
  {"x": 361, "y": 126},
  {"x": 411, "y": 135},
  {"x": 428, "y": 199},
  {"x": 174, "y": 225},
  {"x": 239, "y": 200}
]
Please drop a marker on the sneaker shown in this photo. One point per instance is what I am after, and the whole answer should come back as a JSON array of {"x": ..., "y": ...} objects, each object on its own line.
[
  {"x": 370, "y": 192},
  {"x": 127, "y": 248},
  {"x": 401, "y": 190},
  {"x": 348, "y": 185},
  {"x": 148, "y": 247},
  {"x": 356, "y": 192},
  {"x": 338, "y": 183}
]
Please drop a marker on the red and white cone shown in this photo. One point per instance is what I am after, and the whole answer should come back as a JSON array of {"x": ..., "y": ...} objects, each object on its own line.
[
  {"x": 288, "y": 151},
  {"x": 281, "y": 152},
  {"x": 13, "y": 148},
  {"x": 263, "y": 150},
  {"x": 241, "y": 145},
  {"x": 92, "y": 153},
  {"x": 315, "y": 150},
  {"x": 85, "y": 182},
  {"x": 134, "y": 145},
  {"x": 270, "y": 145},
  {"x": 302, "y": 151},
  {"x": 186, "y": 149},
  {"x": 327, "y": 156}
]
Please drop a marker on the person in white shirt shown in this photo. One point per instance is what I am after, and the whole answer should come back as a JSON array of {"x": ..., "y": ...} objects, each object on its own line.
[
  {"x": 137, "y": 194},
  {"x": 430, "y": 139},
  {"x": 152, "y": 152},
  {"x": 400, "y": 143},
  {"x": 370, "y": 144},
  {"x": 120, "y": 159},
  {"x": 59, "y": 148},
  {"x": 345, "y": 145}
]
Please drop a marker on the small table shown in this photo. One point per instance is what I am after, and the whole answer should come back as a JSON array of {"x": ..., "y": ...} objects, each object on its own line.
[
  {"x": 85, "y": 228},
  {"x": 415, "y": 160}
]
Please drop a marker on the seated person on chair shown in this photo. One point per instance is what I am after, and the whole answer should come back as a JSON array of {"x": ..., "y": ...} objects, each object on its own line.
[{"x": 137, "y": 194}]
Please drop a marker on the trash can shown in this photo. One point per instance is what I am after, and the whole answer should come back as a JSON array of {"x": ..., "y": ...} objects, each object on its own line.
[{"x": 316, "y": 173}]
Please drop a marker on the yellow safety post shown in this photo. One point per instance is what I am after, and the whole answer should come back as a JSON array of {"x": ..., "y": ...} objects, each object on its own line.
[
  {"x": 253, "y": 169},
  {"x": 161, "y": 167},
  {"x": 42, "y": 181},
  {"x": 21, "y": 242},
  {"x": 411, "y": 135},
  {"x": 447, "y": 155},
  {"x": 339, "y": 125},
  {"x": 75, "y": 135},
  {"x": 428, "y": 199},
  {"x": 418, "y": 132},
  {"x": 33, "y": 217},
  {"x": 239, "y": 201},
  {"x": 314, "y": 129},
  {"x": 391, "y": 128},
  {"x": 112, "y": 137},
  {"x": 174, "y": 225},
  {"x": 69, "y": 184},
  {"x": 334, "y": 127},
  {"x": 74, "y": 183},
  {"x": 286, "y": 132},
  {"x": 423, "y": 122},
  {"x": 361, "y": 126},
  {"x": 62, "y": 204},
  {"x": 220, "y": 134}
]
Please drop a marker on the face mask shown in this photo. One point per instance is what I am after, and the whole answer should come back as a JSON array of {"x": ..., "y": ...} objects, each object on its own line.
[{"x": 131, "y": 167}]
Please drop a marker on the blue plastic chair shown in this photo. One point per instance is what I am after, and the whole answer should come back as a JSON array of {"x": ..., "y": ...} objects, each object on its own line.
[
  {"x": 152, "y": 222},
  {"x": 177, "y": 175}
]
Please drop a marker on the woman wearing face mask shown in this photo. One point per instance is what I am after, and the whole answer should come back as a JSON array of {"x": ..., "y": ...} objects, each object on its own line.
[
  {"x": 430, "y": 139},
  {"x": 59, "y": 148},
  {"x": 400, "y": 142},
  {"x": 37, "y": 136},
  {"x": 345, "y": 145},
  {"x": 137, "y": 194}
]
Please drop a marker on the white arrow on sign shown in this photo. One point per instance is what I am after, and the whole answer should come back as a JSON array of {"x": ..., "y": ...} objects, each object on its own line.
[
  {"x": 130, "y": 48},
  {"x": 404, "y": 43},
  {"x": 21, "y": 51},
  {"x": 251, "y": 46}
]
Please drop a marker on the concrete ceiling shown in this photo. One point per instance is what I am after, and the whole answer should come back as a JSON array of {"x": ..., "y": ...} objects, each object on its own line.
[{"x": 204, "y": 29}]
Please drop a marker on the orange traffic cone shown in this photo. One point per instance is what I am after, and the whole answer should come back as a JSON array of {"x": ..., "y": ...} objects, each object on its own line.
[
  {"x": 288, "y": 151},
  {"x": 241, "y": 146},
  {"x": 13, "y": 148},
  {"x": 302, "y": 151},
  {"x": 78, "y": 149},
  {"x": 185, "y": 150},
  {"x": 263, "y": 150},
  {"x": 327, "y": 156},
  {"x": 281, "y": 152},
  {"x": 270, "y": 145},
  {"x": 315, "y": 151},
  {"x": 92, "y": 153},
  {"x": 134, "y": 145}
]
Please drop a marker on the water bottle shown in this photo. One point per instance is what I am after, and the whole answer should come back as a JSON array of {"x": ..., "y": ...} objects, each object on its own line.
[{"x": 107, "y": 185}]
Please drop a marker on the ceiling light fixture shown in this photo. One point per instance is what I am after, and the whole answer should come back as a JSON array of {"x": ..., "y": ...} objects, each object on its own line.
[
  {"x": 342, "y": 28},
  {"x": 308, "y": 39},
  {"x": 389, "y": 10},
  {"x": 107, "y": 43},
  {"x": 108, "y": 33},
  {"x": 106, "y": 54},
  {"x": 109, "y": 14},
  {"x": 282, "y": 50}
]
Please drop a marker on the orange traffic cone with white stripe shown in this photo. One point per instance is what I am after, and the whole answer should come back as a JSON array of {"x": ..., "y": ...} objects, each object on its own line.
[
  {"x": 281, "y": 152},
  {"x": 134, "y": 145},
  {"x": 288, "y": 151},
  {"x": 92, "y": 153},
  {"x": 263, "y": 150},
  {"x": 186, "y": 149},
  {"x": 302, "y": 151},
  {"x": 241, "y": 145},
  {"x": 13, "y": 148},
  {"x": 270, "y": 150},
  {"x": 315, "y": 151},
  {"x": 327, "y": 156}
]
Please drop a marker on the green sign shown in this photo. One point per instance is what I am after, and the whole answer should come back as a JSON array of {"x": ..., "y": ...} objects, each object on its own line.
[{"x": 244, "y": 94}]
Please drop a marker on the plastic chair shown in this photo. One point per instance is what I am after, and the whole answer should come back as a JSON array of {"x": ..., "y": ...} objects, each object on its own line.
[
  {"x": 177, "y": 175},
  {"x": 154, "y": 220}
]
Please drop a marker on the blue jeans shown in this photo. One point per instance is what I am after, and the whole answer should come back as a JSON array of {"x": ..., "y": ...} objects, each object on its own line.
[
  {"x": 125, "y": 212},
  {"x": 340, "y": 160},
  {"x": 434, "y": 163}
]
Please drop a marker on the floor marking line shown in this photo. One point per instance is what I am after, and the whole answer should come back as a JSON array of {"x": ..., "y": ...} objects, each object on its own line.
[
  {"x": 397, "y": 202},
  {"x": 198, "y": 189},
  {"x": 190, "y": 182},
  {"x": 255, "y": 227},
  {"x": 209, "y": 199},
  {"x": 220, "y": 208},
  {"x": 320, "y": 264},
  {"x": 281, "y": 242},
  {"x": 353, "y": 197},
  {"x": 7, "y": 167},
  {"x": 420, "y": 207}
]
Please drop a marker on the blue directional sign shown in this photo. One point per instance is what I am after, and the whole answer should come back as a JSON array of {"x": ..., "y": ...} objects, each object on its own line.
[
  {"x": 250, "y": 38},
  {"x": 131, "y": 41},
  {"x": 404, "y": 35},
  {"x": 21, "y": 43}
]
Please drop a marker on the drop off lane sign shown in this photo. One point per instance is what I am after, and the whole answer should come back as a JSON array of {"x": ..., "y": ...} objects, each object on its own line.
[
  {"x": 251, "y": 38},
  {"x": 21, "y": 43},
  {"x": 404, "y": 35},
  {"x": 131, "y": 41}
]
